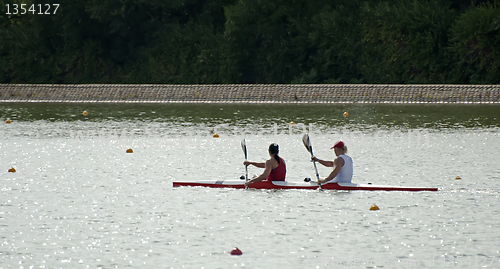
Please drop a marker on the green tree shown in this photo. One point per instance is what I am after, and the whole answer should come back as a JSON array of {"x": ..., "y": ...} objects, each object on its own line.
[
  {"x": 335, "y": 36},
  {"x": 55, "y": 48},
  {"x": 252, "y": 41},
  {"x": 268, "y": 40},
  {"x": 188, "y": 48},
  {"x": 406, "y": 42},
  {"x": 475, "y": 44}
]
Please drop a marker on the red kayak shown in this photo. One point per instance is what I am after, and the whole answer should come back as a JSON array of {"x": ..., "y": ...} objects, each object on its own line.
[{"x": 240, "y": 184}]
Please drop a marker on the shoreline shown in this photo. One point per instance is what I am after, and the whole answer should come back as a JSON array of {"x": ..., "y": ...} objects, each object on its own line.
[{"x": 250, "y": 93}]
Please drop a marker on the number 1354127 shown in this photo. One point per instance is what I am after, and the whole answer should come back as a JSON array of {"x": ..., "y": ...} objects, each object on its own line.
[{"x": 39, "y": 9}]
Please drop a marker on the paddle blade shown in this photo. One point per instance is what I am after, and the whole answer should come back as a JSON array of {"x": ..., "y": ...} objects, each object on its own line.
[
  {"x": 307, "y": 142},
  {"x": 244, "y": 147}
]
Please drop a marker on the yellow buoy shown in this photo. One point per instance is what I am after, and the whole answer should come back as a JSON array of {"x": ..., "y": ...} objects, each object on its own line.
[
  {"x": 292, "y": 123},
  {"x": 374, "y": 207},
  {"x": 345, "y": 114},
  {"x": 130, "y": 151},
  {"x": 216, "y": 136},
  {"x": 12, "y": 170},
  {"x": 85, "y": 113},
  {"x": 457, "y": 178}
]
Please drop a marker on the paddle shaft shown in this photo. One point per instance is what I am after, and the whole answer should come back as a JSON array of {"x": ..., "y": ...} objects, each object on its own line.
[
  {"x": 246, "y": 172},
  {"x": 308, "y": 145},
  {"x": 244, "y": 147},
  {"x": 314, "y": 162}
]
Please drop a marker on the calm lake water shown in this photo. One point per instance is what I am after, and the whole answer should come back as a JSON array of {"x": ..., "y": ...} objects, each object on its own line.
[{"x": 78, "y": 200}]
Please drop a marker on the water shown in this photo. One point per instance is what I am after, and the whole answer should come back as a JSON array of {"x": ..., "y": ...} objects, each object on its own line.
[{"x": 78, "y": 200}]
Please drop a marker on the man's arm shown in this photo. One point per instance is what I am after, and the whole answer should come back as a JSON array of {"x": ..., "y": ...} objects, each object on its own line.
[
  {"x": 323, "y": 162},
  {"x": 337, "y": 165}
]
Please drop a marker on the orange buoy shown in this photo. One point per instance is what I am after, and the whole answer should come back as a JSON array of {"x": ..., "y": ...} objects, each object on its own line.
[
  {"x": 8, "y": 121},
  {"x": 12, "y": 170},
  {"x": 374, "y": 207},
  {"x": 130, "y": 151},
  {"x": 236, "y": 251},
  {"x": 216, "y": 135},
  {"x": 292, "y": 123},
  {"x": 457, "y": 178},
  {"x": 85, "y": 113},
  {"x": 346, "y": 114}
]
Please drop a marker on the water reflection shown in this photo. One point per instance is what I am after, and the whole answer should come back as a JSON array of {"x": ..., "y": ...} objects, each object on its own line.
[{"x": 365, "y": 115}]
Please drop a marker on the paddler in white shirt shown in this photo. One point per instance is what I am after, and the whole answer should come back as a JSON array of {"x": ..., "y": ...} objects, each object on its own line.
[{"x": 342, "y": 165}]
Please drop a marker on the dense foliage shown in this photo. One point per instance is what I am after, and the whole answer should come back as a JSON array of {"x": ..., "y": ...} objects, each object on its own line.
[{"x": 252, "y": 41}]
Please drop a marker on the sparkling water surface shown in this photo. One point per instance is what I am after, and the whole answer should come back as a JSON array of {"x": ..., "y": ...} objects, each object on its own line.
[{"x": 78, "y": 200}]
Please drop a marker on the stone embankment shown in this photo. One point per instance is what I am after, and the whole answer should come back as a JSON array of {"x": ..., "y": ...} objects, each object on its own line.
[{"x": 250, "y": 93}]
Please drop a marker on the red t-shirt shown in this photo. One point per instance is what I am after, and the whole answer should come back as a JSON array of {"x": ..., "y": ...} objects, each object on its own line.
[{"x": 278, "y": 173}]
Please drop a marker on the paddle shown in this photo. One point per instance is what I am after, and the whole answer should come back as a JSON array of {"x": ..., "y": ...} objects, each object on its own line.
[
  {"x": 307, "y": 144},
  {"x": 244, "y": 147}
]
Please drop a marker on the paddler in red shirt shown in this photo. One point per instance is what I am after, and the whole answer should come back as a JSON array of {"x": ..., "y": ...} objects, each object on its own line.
[{"x": 274, "y": 168}]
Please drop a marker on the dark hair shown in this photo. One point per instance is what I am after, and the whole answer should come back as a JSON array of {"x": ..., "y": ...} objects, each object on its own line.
[{"x": 274, "y": 148}]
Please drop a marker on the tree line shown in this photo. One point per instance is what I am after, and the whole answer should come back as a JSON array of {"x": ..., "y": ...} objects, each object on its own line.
[{"x": 252, "y": 41}]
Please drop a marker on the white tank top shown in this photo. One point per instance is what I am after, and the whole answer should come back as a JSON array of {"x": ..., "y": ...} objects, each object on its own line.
[{"x": 345, "y": 174}]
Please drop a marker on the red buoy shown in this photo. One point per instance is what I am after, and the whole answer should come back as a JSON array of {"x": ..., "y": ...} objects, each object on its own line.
[{"x": 236, "y": 251}]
